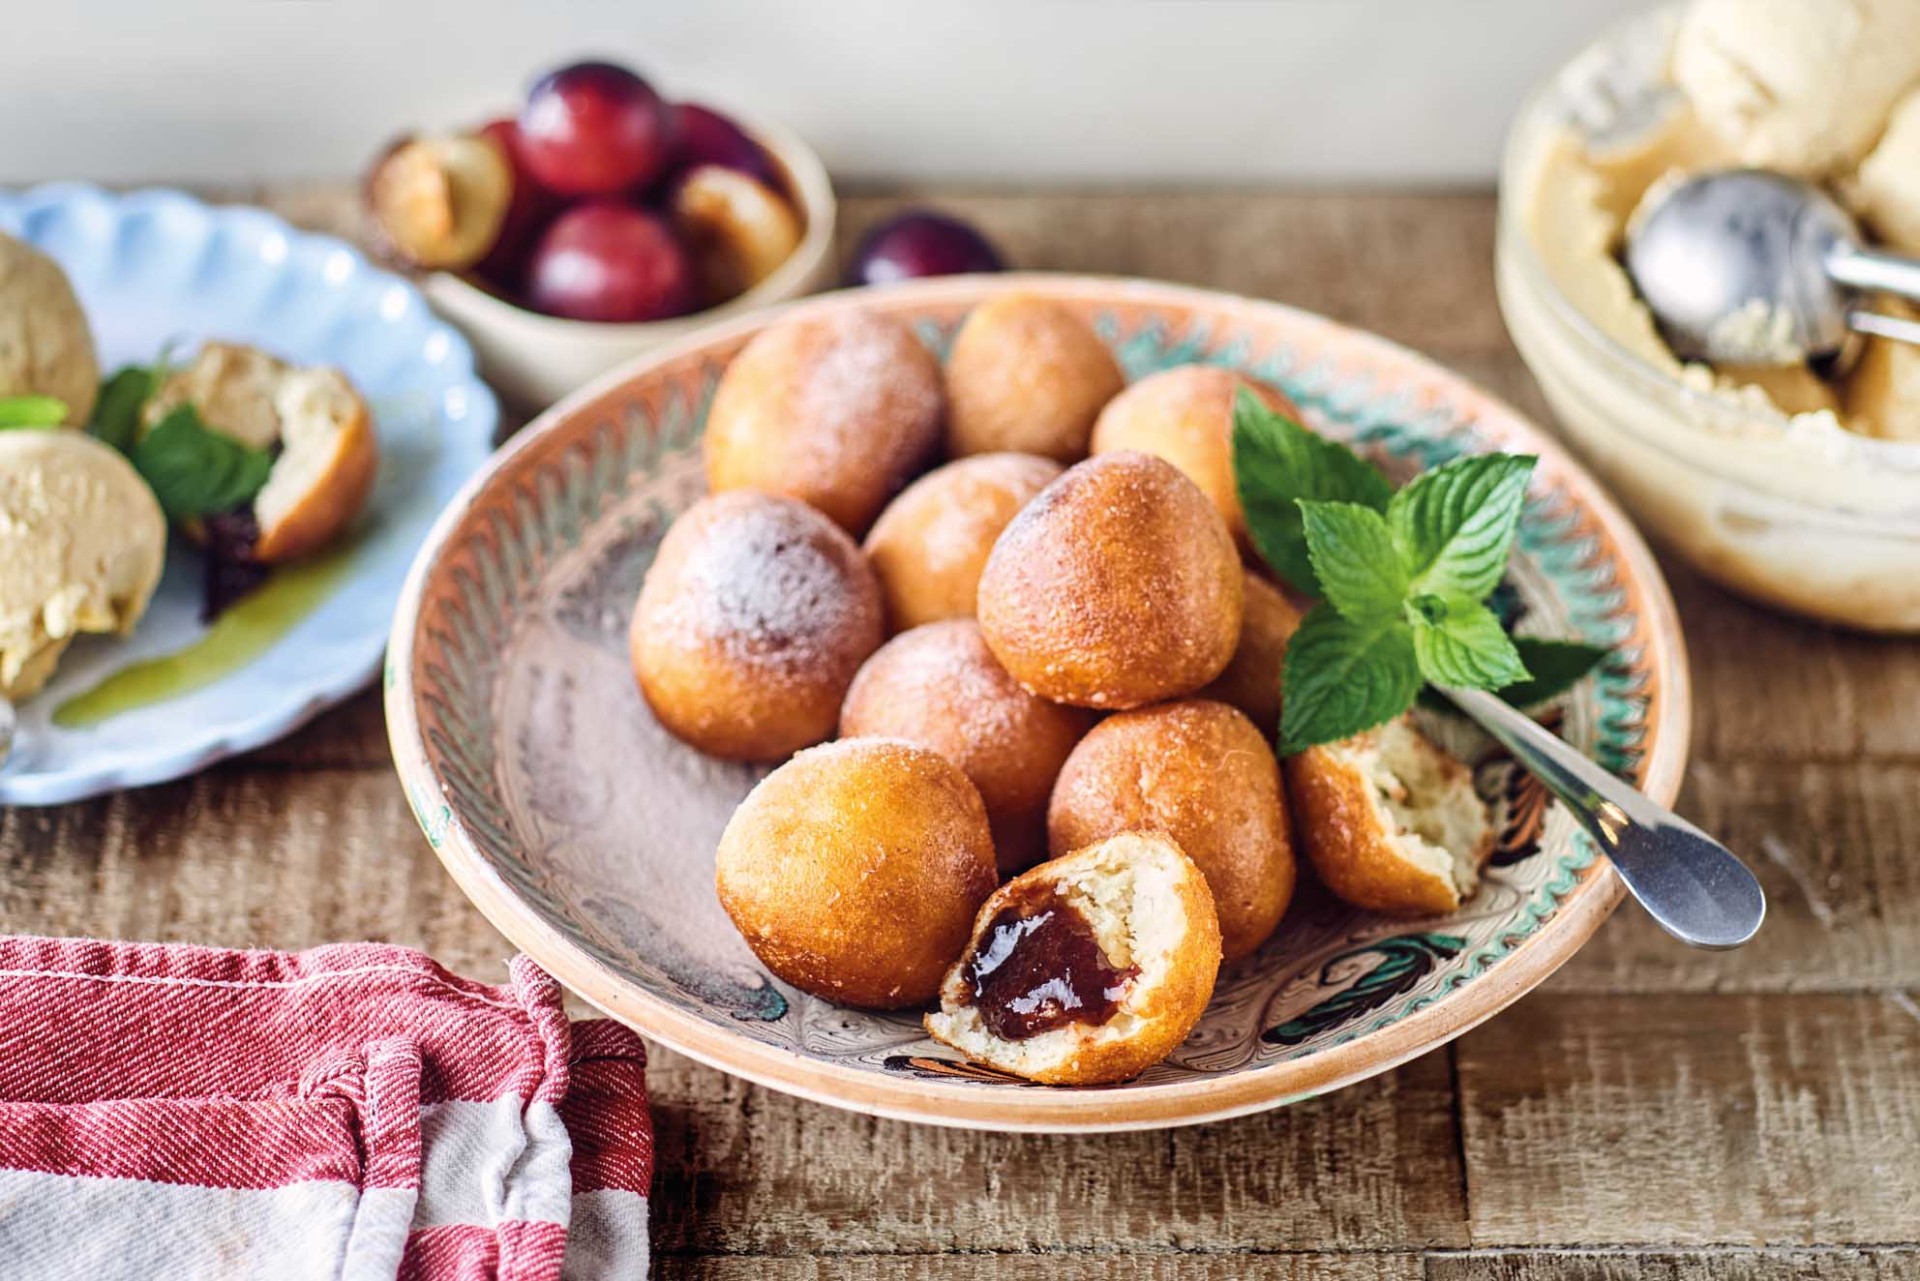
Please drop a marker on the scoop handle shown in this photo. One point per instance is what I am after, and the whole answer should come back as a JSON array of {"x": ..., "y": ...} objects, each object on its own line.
[
  {"x": 1881, "y": 325},
  {"x": 1875, "y": 270}
]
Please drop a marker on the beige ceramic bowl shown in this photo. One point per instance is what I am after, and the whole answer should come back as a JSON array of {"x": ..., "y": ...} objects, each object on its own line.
[
  {"x": 532, "y": 360},
  {"x": 586, "y": 833},
  {"x": 1818, "y": 521}
]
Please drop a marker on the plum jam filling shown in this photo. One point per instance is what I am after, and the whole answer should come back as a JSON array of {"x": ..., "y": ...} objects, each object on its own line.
[
  {"x": 1039, "y": 967},
  {"x": 231, "y": 573}
]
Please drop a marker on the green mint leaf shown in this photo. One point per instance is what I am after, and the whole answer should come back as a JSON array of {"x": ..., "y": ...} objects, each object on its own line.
[
  {"x": 1455, "y": 523},
  {"x": 1464, "y": 646},
  {"x": 1556, "y": 667},
  {"x": 1342, "y": 677},
  {"x": 1360, "y": 569},
  {"x": 1553, "y": 667},
  {"x": 1277, "y": 462},
  {"x": 31, "y": 411},
  {"x": 116, "y": 415},
  {"x": 197, "y": 472}
]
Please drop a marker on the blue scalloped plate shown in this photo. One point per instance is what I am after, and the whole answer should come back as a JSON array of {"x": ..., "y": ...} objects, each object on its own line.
[{"x": 155, "y": 266}]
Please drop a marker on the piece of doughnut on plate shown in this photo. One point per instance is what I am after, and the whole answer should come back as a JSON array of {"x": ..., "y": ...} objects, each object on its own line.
[
  {"x": 326, "y": 456},
  {"x": 1087, "y": 969},
  {"x": 1389, "y": 821}
]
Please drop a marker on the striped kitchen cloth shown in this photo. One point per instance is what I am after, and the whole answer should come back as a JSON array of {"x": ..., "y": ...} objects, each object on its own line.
[{"x": 351, "y": 1113}]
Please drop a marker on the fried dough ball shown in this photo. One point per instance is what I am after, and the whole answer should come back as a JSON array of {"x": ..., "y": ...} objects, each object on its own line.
[
  {"x": 1185, "y": 415},
  {"x": 838, "y": 410},
  {"x": 940, "y": 687},
  {"x": 1088, "y": 969},
  {"x": 1390, "y": 822},
  {"x": 753, "y": 618},
  {"x": 1027, "y": 374},
  {"x": 1200, "y": 772},
  {"x": 931, "y": 542},
  {"x": 1252, "y": 680},
  {"x": 854, "y": 870},
  {"x": 319, "y": 428},
  {"x": 1117, "y": 586}
]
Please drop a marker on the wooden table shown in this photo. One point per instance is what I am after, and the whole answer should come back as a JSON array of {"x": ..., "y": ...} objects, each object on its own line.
[{"x": 1651, "y": 1112}]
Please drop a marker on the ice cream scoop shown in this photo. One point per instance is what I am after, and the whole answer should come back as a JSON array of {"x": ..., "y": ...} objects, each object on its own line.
[
  {"x": 82, "y": 544},
  {"x": 1750, "y": 267}
]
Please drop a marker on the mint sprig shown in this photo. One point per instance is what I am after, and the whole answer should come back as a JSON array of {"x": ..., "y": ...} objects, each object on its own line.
[
  {"x": 1408, "y": 583},
  {"x": 1404, "y": 577}
]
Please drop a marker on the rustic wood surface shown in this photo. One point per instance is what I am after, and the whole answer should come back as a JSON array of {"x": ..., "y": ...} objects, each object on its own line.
[{"x": 1650, "y": 1113}]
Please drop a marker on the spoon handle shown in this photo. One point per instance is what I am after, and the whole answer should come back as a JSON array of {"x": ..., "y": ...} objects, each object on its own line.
[
  {"x": 1690, "y": 884},
  {"x": 1875, "y": 270},
  {"x": 1882, "y": 325}
]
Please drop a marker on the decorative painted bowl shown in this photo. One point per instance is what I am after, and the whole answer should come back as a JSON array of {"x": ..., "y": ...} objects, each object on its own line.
[
  {"x": 535, "y": 359},
  {"x": 586, "y": 833},
  {"x": 158, "y": 267}
]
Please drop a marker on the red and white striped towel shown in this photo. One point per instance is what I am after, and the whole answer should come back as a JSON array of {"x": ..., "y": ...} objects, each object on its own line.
[{"x": 350, "y": 1113}]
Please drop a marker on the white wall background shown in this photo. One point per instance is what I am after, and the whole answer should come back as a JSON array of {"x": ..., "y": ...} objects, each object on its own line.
[{"x": 1393, "y": 91}]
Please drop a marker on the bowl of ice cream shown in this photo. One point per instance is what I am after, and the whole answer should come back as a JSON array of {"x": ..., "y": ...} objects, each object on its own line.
[{"x": 1795, "y": 485}]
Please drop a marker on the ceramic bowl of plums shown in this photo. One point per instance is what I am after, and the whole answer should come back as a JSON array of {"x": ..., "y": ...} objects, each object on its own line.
[
  {"x": 1004, "y": 700},
  {"x": 599, "y": 221}
]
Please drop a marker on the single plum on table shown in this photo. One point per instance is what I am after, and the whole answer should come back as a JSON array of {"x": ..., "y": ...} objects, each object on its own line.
[
  {"x": 920, "y": 243},
  {"x": 603, "y": 260}
]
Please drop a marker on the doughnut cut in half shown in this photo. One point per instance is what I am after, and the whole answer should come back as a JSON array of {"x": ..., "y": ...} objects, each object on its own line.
[
  {"x": 1389, "y": 821},
  {"x": 1087, "y": 969}
]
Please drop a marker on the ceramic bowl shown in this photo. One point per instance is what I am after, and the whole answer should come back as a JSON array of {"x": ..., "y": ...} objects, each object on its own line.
[
  {"x": 534, "y": 359},
  {"x": 586, "y": 833}
]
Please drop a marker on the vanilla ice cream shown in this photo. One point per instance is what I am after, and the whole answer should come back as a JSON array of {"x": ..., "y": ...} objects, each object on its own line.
[
  {"x": 46, "y": 348},
  {"x": 1807, "y": 86},
  {"x": 82, "y": 544},
  {"x": 1886, "y": 190},
  {"x": 1789, "y": 484},
  {"x": 1801, "y": 86}
]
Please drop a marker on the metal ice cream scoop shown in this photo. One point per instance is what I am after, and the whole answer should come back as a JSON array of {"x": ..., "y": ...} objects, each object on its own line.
[{"x": 1749, "y": 267}]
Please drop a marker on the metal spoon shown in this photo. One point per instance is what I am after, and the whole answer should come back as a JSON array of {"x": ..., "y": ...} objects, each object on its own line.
[
  {"x": 1749, "y": 267},
  {"x": 1689, "y": 883}
]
